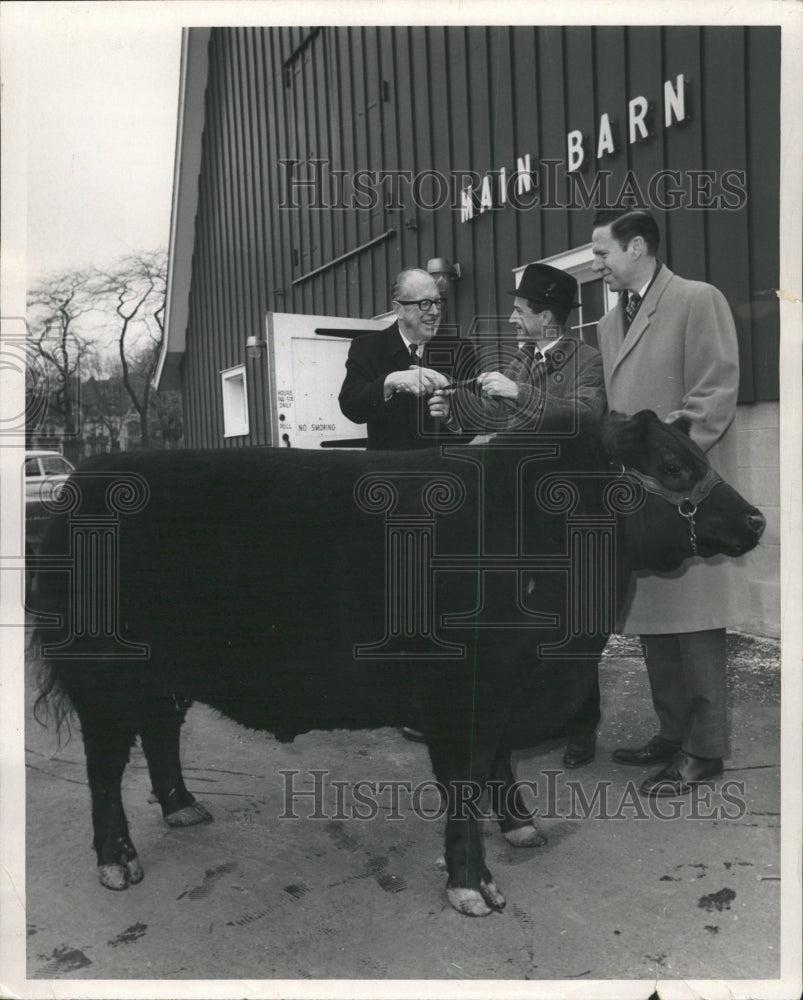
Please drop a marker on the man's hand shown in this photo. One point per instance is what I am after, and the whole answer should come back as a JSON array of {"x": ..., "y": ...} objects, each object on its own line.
[
  {"x": 417, "y": 381},
  {"x": 497, "y": 384},
  {"x": 440, "y": 404}
]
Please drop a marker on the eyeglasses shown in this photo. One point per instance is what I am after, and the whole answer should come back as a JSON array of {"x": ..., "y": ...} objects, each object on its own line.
[{"x": 425, "y": 305}]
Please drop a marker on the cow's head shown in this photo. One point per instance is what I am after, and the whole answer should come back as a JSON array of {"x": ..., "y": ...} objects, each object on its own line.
[{"x": 688, "y": 509}]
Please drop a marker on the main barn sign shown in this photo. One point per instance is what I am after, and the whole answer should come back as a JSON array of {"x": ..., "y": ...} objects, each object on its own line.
[{"x": 528, "y": 186}]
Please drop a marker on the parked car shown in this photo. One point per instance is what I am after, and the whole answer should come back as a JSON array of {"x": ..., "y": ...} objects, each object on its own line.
[
  {"x": 44, "y": 473},
  {"x": 44, "y": 470}
]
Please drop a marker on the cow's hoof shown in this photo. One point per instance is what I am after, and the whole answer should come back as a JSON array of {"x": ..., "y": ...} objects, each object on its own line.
[
  {"x": 468, "y": 901},
  {"x": 525, "y": 836},
  {"x": 114, "y": 876},
  {"x": 135, "y": 871},
  {"x": 477, "y": 904},
  {"x": 121, "y": 876},
  {"x": 492, "y": 896},
  {"x": 189, "y": 816}
]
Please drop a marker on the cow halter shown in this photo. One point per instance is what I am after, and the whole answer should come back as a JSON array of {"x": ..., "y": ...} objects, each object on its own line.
[{"x": 686, "y": 502}]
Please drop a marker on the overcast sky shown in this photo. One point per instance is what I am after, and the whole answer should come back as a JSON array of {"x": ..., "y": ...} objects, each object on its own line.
[{"x": 102, "y": 92}]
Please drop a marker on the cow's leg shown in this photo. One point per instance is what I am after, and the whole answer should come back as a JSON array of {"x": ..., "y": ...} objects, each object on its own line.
[
  {"x": 470, "y": 887},
  {"x": 160, "y": 737},
  {"x": 107, "y": 747},
  {"x": 516, "y": 822}
]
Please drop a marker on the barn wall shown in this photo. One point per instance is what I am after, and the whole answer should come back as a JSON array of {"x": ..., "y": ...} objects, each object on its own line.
[{"x": 758, "y": 479}]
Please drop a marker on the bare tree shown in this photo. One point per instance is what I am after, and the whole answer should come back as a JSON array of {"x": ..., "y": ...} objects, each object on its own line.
[
  {"x": 134, "y": 290},
  {"x": 60, "y": 353},
  {"x": 105, "y": 400},
  {"x": 127, "y": 306},
  {"x": 166, "y": 418}
]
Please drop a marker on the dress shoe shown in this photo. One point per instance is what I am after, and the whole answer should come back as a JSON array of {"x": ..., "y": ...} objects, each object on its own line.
[
  {"x": 580, "y": 750},
  {"x": 684, "y": 771},
  {"x": 414, "y": 735},
  {"x": 655, "y": 751}
]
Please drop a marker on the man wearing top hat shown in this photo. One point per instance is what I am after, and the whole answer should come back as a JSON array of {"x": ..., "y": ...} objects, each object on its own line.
[{"x": 554, "y": 383}]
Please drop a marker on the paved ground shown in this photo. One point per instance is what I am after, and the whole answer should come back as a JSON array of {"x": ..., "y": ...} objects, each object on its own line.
[{"x": 613, "y": 895}]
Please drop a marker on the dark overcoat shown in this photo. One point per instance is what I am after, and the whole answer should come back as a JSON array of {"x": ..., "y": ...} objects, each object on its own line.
[
  {"x": 403, "y": 422},
  {"x": 564, "y": 393}
]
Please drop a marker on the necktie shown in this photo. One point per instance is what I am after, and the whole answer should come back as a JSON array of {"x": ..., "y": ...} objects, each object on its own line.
[
  {"x": 632, "y": 307},
  {"x": 537, "y": 359},
  {"x": 414, "y": 358}
]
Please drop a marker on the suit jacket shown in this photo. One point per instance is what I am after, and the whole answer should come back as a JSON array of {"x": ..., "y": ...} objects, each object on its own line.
[
  {"x": 403, "y": 423},
  {"x": 680, "y": 357},
  {"x": 565, "y": 395}
]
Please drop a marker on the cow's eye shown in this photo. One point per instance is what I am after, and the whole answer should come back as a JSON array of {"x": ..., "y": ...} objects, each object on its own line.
[{"x": 673, "y": 470}]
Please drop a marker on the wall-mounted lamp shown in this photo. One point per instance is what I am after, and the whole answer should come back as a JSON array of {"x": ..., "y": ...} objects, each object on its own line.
[
  {"x": 444, "y": 272},
  {"x": 254, "y": 346}
]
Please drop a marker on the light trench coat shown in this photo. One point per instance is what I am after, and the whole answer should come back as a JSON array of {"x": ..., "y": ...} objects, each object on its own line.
[{"x": 680, "y": 357}]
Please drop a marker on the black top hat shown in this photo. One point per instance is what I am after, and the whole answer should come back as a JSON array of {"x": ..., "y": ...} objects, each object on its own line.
[{"x": 547, "y": 286}]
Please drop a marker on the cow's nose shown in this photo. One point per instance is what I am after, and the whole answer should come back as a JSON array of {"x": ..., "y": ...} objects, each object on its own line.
[{"x": 756, "y": 523}]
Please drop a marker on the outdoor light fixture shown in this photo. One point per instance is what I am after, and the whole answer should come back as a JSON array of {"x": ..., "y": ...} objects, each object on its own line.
[
  {"x": 254, "y": 346},
  {"x": 443, "y": 271}
]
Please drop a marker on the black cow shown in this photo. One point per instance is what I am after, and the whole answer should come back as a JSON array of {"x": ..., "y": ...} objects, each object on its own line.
[{"x": 291, "y": 591}]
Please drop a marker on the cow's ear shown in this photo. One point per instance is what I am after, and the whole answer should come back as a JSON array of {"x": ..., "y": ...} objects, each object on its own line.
[
  {"x": 645, "y": 418},
  {"x": 683, "y": 424},
  {"x": 619, "y": 434}
]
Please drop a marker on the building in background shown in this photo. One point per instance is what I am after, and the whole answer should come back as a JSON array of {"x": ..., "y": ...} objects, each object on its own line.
[{"x": 314, "y": 163}]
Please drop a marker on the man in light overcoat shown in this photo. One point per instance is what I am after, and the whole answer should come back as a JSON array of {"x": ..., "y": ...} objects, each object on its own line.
[{"x": 670, "y": 346}]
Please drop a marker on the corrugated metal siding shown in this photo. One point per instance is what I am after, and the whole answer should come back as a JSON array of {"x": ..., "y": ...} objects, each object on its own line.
[
  {"x": 452, "y": 99},
  {"x": 763, "y": 166}
]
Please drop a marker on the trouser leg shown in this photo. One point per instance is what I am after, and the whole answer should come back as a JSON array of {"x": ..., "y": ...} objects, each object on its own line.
[
  {"x": 667, "y": 684},
  {"x": 586, "y": 719},
  {"x": 687, "y": 680},
  {"x": 704, "y": 661}
]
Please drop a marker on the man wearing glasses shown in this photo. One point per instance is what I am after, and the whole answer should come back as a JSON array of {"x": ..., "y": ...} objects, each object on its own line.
[
  {"x": 388, "y": 377},
  {"x": 389, "y": 383}
]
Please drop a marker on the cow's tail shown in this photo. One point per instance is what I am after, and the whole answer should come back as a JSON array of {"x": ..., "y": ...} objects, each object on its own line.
[
  {"x": 52, "y": 705},
  {"x": 50, "y": 598}
]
